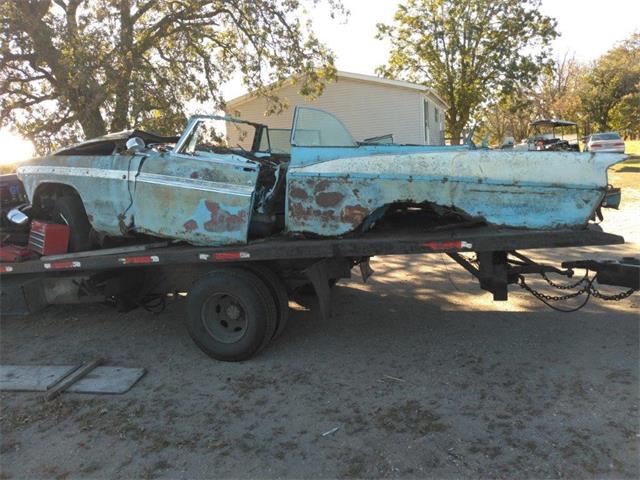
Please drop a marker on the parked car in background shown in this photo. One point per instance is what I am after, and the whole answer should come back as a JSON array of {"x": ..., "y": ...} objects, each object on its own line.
[{"x": 604, "y": 142}]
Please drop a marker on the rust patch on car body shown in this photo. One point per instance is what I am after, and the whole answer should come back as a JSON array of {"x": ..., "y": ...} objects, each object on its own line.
[
  {"x": 329, "y": 199},
  {"x": 190, "y": 225},
  {"x": 322, "y": 185},
  {"x": 354, "y": 214},
  {"x": 299, "y": 193},
  {"x": 223, "y": 221}
]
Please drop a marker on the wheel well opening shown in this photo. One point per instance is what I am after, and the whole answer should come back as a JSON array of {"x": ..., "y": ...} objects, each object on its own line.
[
  {"x": 46, "y": 194},
  {"x": 408, "y": 215}
]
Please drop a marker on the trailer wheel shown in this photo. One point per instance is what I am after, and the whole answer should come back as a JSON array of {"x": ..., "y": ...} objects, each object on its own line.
[
  {"x": 68, "y": 209},
  {"x": 231, "y": 314},
  {"x": 278, "y": 292}
]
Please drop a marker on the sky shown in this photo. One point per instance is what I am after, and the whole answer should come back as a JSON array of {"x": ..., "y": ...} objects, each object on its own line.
[{"x": 588, "y": 29}]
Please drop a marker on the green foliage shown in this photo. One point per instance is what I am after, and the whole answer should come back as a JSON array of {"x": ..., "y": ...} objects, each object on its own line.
[
  {"x": 599, "y": 97},
  {"x": 611, "y": 92},
  {"x": 554, "y": 95},
  {"x": 468, "y": 50},
  {"x": 507, "y": 116},
  {"x": 73, "y": 67}
]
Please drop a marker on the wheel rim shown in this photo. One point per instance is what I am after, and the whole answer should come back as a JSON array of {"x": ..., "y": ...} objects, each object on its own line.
[{"x": 224, "y": 317}]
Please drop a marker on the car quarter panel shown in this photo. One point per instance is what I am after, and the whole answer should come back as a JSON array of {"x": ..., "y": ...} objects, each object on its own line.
[
  {"x": 103, "y": 183},
  {"x": 335, "y": 197},
  {"x": 203, "y": 199}
]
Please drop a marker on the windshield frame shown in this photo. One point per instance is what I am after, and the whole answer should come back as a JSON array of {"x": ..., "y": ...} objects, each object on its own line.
[{"x": 194, "y": 121}]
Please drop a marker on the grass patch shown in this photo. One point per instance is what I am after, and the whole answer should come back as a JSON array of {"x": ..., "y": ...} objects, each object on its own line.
[{"x": 632, "y": 147}]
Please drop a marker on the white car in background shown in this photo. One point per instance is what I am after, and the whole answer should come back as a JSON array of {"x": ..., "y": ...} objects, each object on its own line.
[{"x": 604, "y": 142}]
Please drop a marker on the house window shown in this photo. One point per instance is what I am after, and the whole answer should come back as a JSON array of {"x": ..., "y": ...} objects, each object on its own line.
[
  {"x": 436, "y": 114},
  {"x": 427, "y": 133}
]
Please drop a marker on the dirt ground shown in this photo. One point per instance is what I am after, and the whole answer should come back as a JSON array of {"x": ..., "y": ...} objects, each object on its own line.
[{"x": 419, "y": 371}]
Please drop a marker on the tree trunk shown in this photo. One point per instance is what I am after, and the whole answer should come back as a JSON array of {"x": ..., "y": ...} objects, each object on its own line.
[
  {"x": 93, "y": 125},
  {"x": 125, "y": 67},
  {"x": 455, "y": 122},
  {"x": 455, "y": 130}
]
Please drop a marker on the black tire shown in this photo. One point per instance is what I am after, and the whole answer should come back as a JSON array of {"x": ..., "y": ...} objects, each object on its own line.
[
  {"x": 68, "y": 209},
  {"x": 278, "y": 292},
  {"x": 214, "y": 301}
]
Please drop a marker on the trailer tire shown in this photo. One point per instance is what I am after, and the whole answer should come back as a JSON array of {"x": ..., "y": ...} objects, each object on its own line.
[
  {"x": 278, "y": 292},
  {"x": 231, "y": 314},
  {"x": 69, "y": 210}
]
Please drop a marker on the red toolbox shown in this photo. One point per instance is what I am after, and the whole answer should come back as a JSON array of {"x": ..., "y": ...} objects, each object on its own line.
[{"x": 48, "y": 238}]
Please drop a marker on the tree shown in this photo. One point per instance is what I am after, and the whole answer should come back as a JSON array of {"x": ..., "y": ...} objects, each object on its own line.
[
  {"x": 468, "y": 50},
  {"x": 69, "y": 67},
  {"x": 554, "y": 95},
  {"x": 612, "y": 87},
  {"x": 508, "y": 116}
]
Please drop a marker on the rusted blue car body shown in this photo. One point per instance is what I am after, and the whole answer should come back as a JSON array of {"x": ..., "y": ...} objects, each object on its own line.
[
  {"x": 203, "y": 197},
  {"x": 334, "y": 190},
  {"x": 206, "y": 189},
  {"x": 335, "y": 197}
]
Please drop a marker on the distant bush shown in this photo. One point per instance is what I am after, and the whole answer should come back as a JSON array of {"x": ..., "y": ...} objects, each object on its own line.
[{"x": 7, "y": 169}]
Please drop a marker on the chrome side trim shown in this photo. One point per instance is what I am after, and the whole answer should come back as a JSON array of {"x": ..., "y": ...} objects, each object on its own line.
[
  {"x": 195, "y": 184},
  {"x": 151, "y": 178},
  {"x": 76, "y": 172}
]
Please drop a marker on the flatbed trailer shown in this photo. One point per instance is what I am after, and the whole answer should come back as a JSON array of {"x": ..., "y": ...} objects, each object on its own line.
[{"x": 237, "y": 296}]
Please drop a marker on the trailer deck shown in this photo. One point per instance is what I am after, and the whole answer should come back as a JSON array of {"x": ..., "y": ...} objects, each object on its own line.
[
  {"x": 238, "y": 296},
  {"x": 473, "y": 239}
]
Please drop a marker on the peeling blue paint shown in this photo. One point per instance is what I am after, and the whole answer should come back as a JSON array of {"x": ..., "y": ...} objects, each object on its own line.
[{"x": 516, "y": 189}]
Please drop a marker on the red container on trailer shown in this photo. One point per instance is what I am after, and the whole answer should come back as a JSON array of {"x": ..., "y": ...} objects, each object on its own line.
[
  {"x": 48, "y": 238},
  {"x": 14, "y": 253}
]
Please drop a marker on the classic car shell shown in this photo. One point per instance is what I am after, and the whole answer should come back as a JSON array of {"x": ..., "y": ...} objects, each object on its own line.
[
  {"x": 516, "y": 189},
  {"x": 330, "y": 186},
  {"x": 205, "y": 202},
  {"x": 205, "y": 199}
]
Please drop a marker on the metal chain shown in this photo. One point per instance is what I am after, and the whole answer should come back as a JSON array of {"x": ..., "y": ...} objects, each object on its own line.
[
  {"x": 566, "y": 286},
  {"x": 552, "y": 298},
  {"x": 547, "y": 299},
  {"x": 612, "y": 298},
  {"x": 588, "y": 288}
]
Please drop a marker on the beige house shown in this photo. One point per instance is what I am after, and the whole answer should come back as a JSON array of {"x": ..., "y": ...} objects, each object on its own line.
[{"x": 368, "y": 106}]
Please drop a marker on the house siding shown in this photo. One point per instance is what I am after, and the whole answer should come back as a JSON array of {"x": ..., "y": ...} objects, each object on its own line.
[{"x": 367, "y": 109}]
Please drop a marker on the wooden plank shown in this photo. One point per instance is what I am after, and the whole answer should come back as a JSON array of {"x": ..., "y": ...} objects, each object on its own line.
[
  {"x": 111, "y": 380},
  {"x": 70, "y": 379},
  {"x": 24, "y": 378},
  {"x": 41, "y": 378}
]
